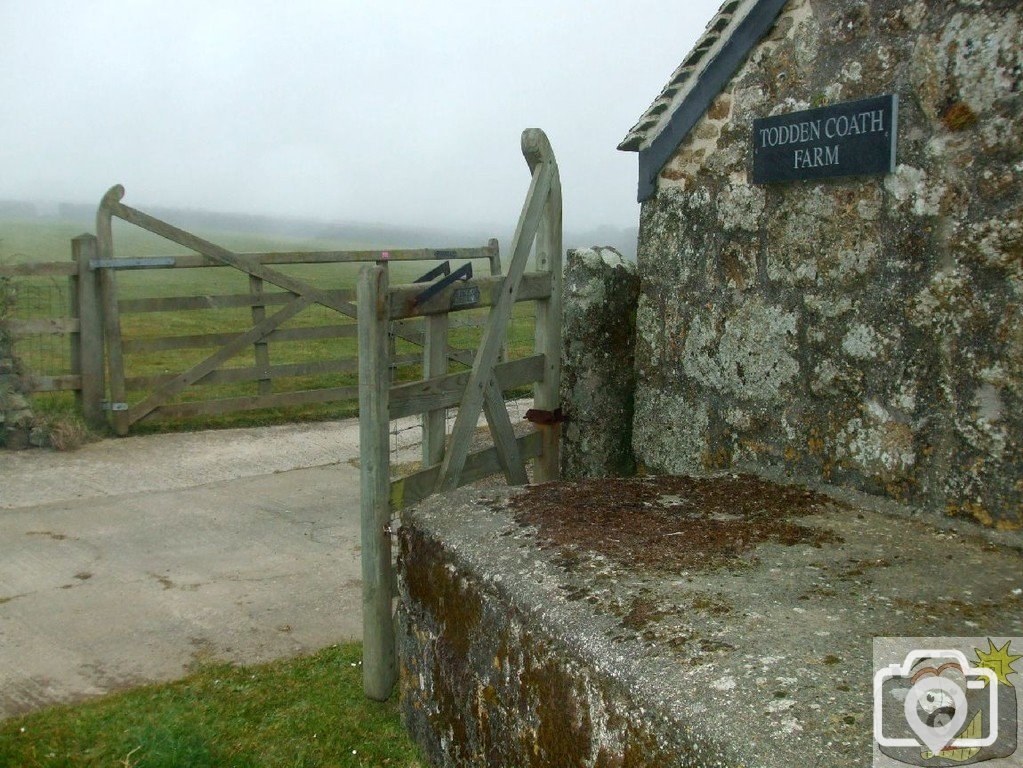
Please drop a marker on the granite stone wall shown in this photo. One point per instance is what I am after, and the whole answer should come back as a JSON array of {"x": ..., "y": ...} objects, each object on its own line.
[
  {"x": 598, "y": 378},
  {"x": 866, "y": 332},
  {"x": 16, "y": 420}
]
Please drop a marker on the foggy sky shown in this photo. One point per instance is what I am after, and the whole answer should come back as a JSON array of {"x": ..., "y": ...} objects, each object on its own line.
[{"x": 395, "y": 112}]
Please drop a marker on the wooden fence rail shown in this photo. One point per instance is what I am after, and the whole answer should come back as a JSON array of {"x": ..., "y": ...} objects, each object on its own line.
[{"x": 103, "y": 356}]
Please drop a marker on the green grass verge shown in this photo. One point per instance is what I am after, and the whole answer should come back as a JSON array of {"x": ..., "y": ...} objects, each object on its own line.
[{"x": 308, "y": 711}]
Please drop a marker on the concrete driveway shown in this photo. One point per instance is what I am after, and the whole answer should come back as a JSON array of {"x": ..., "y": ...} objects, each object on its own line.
[{"x": 131, "y": 560}]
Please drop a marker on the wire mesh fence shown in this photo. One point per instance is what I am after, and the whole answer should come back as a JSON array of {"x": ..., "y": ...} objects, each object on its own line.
[
  {"x": 406, "y": 435},
  {"x": 37, "y": 298}
]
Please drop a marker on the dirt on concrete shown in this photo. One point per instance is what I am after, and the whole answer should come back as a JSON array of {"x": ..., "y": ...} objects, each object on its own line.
[{"x": 671, "y": 523}]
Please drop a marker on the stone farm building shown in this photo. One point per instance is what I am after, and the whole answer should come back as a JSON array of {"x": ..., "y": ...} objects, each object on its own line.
[{"x": 865, "y": 331}]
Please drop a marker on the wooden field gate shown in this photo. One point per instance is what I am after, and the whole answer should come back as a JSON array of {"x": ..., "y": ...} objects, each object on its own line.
[
  {"x": 99, "y": 349},
  {"x": 448, "y": 463}
]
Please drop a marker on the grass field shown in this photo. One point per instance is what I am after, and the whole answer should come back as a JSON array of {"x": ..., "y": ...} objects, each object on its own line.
[
  {"x": 40, "y": 240},
  {"x": 303, "y": 712}
]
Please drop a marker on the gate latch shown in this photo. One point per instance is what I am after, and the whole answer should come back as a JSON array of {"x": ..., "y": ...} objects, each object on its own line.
[
  {"x": 462, "y": 273},
  {"x": 537, "y": 416}
]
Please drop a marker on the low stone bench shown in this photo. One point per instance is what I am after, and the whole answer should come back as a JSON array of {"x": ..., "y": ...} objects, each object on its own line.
[{"x": 671, "y": 621}]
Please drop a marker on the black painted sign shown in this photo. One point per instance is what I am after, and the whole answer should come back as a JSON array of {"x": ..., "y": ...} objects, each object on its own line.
[
  {"x": 465, "y": 297},
  {"x": 855, "y": 138}
]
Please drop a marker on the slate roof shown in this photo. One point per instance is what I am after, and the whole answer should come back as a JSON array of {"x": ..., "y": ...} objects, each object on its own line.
[{"x": 729, "y": 37}]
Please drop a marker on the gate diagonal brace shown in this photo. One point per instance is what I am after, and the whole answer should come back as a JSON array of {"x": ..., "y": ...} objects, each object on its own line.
[{"x": 462, "y": 273}]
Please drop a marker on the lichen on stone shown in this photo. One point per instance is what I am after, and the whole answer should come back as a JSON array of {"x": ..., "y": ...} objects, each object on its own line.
[{"x": 842, "y": 329}]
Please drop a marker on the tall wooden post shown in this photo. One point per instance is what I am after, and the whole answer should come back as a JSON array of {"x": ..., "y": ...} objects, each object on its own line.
[
  {"x": 548, "y": 322},
  {"x": 379, "y": 666},
  {"x": 87, "y": 344},
  {"x": 111, "y": 313}
]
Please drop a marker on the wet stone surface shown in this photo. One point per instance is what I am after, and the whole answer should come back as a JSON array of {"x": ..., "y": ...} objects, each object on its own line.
[{"x": 561, "y": 625}]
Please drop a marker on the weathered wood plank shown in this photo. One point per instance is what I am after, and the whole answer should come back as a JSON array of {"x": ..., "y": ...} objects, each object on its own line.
[
  {"x": 41, "y": 326},
  {"x": 38, "y": 269},
  {"x": 503, "y": 434},
  {"x": 418, "y": 325},
  {"x": 111, "y": 315},
  {"x": 87, "y": 344},
  {"x": 435, "y": 364},
  {"x": 74, "y": 339},
  {"x": 495, "y": 256},
  {"x": 546, "y": 392},
  {"x": 379, "y": 667},
  {"x": 494, "y": 333},
  {"x": 533, "y": 286},
  {"x": 261, "y": 347},
  {"x": 90, "y": 339},
  {"x": 495, "y": 269},
  {"x": 226, "y": 301},
  {"x": 280, "y": 371},
  {"x": 445, "y": 391},
  {"x": 193, "y": 261},
  {"x": 66, "y": 383},
  {"x": 218, "y": 358},
  {"x": 252, "y": 403},
  {"x": 407, "y": 491},
  {"x": 347, "y": 330}
]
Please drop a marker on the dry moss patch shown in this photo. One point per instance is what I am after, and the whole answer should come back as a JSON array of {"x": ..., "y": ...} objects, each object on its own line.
[{"x": 671, "y": 523}]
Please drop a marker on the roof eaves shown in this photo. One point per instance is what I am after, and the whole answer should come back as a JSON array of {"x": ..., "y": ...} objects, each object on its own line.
[{"x": 731, "y": 35}]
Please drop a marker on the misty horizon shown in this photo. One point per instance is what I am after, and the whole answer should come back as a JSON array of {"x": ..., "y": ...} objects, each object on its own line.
[
  {"x": 367, "y": 233},
  {"x": 394, "y": 114}
]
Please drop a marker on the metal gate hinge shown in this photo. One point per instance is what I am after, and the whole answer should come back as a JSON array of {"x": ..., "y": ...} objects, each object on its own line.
[
  {"x": 108, "y": 406},
  {"x": 537, "y": 416}
]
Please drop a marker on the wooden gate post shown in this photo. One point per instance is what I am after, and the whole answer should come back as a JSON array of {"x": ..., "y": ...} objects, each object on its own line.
[
  {"x": 111, "y": 313},
  {"x": 546, "y": 394},
  {"x": 379, "y": 666},
  {"x": 87, "y": 344}
]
